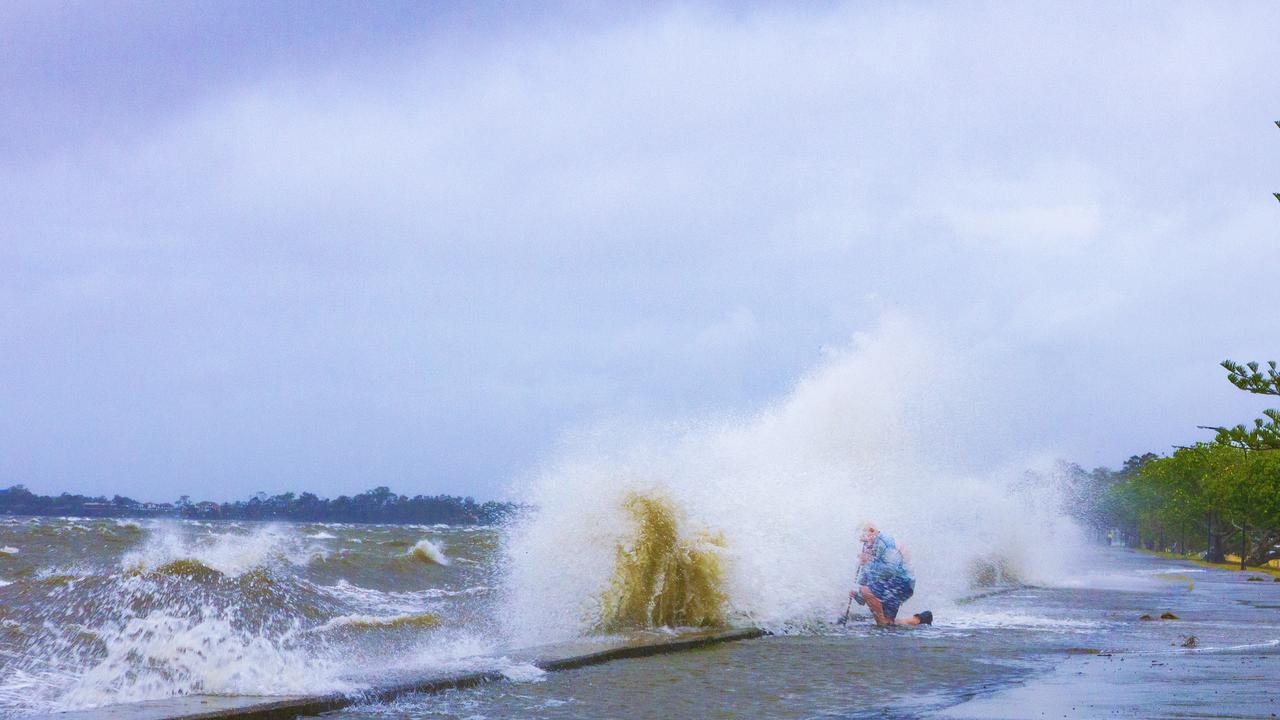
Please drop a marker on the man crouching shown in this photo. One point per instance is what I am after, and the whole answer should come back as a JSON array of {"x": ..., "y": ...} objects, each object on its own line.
[{"x": 884, "y": 582}]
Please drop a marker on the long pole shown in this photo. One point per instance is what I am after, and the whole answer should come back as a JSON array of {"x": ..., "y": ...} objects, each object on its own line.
[{"x": 849, "y": 605}]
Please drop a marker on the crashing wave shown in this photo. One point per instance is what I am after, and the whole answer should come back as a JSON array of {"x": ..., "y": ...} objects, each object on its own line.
[
  {"x": 867, "y": 436},
  {"x": 662, "y": 579},
  {"x": 229, "y": 553},
  {"x": 161, "y": 655},
  {"x": 428, "y": 552}
]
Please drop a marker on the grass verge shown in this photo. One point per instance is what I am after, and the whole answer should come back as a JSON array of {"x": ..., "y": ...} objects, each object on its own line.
[{"x": 1235, "y": 566}]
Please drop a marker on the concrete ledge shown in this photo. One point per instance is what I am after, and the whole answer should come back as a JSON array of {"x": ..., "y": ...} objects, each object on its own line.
[{"x": 565, "y": 656}]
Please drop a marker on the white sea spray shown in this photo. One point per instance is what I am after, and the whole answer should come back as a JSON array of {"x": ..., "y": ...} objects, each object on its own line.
[
  {"x": 229, "y": 550},
  {"x": 876, "y": 433}
]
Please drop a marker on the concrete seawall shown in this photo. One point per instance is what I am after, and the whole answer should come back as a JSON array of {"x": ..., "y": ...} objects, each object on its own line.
[{"x": 564, "y": 656}]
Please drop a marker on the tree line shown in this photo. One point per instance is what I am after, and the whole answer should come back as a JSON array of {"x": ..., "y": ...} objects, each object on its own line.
[
  {"x": 1212, "y": 497},
  {"x": 379, "y": 505}
]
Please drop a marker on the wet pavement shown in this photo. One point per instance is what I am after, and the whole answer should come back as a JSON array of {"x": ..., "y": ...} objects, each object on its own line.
[
  {"x": 1027, "y": 653},
  {"x": 1152, "y": 669}
]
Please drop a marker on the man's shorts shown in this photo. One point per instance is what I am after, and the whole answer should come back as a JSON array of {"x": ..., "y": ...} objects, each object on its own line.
[{"x": 892, "y": 591}]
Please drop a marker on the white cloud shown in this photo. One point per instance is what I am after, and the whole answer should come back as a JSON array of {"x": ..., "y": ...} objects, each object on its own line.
[
  {"x": 1051, "y": 210},
  {"x": 661, "y": 215}
]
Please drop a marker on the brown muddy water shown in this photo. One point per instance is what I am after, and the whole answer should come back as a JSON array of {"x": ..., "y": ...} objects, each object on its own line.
[
  {"x": 96, "y": 612},
  {"x": 104, "y": 611}
]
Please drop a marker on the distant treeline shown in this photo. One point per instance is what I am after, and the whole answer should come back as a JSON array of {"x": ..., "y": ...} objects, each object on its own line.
[
  {"x": 378, "y": 505},
  {"x": 1211, "y": 497}
]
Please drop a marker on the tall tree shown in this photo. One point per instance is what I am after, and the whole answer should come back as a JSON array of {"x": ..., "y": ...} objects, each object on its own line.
[{"x": 1265, "y": 433}]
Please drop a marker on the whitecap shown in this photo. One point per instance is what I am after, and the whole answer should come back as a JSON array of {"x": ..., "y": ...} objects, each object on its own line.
[
  {"x": 230, "y": 553},
  {"x": 429, "y": 552}
]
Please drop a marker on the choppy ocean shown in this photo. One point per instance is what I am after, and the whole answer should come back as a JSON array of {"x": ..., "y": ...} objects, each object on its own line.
[
  {"x": 103, "y": 611},
  {"x": 96, "y": 612}
]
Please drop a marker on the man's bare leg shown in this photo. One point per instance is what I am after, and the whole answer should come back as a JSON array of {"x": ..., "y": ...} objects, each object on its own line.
[{"x": 877, "y": 610}]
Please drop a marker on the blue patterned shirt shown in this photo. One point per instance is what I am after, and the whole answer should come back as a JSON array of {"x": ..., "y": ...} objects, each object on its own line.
[{"x": 884, "y": 562}]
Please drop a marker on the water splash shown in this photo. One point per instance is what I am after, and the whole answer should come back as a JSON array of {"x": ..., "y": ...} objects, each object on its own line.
[
  {"x": 662, "y": 578},
  {"x": 428, "y": 552},
  {"x": 229, "y": 553},
  {"x": 882, "y": 430},
  {"x": 162, "y": 654}
]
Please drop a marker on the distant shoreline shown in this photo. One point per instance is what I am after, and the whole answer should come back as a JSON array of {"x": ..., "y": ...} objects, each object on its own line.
[
  {"x": 291, "y": 521},
  {"x": 377, "y": 506}
]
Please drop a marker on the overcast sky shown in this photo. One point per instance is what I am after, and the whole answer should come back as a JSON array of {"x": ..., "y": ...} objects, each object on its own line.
[{"x": 254, "y": 246}]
